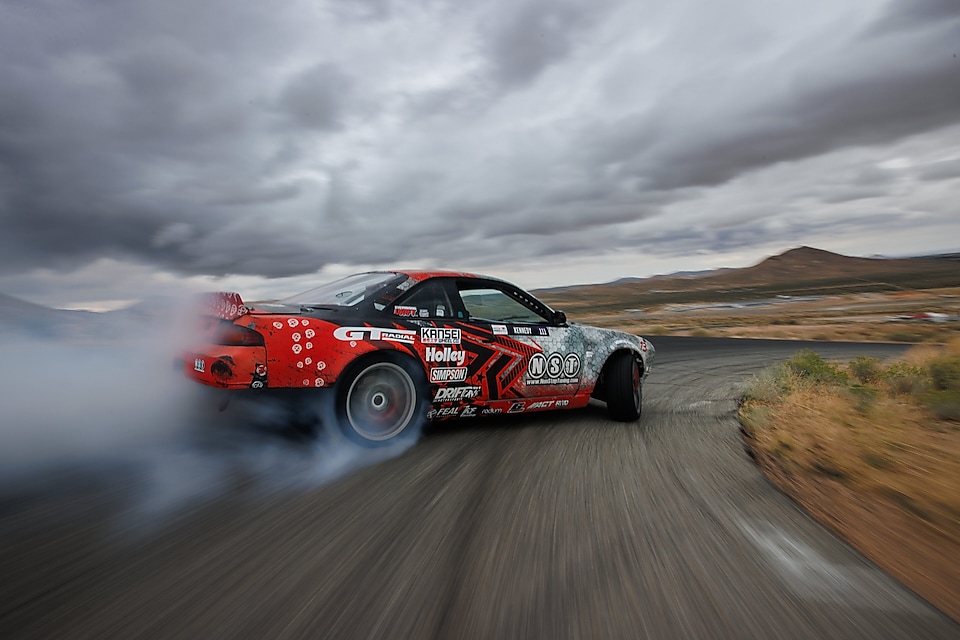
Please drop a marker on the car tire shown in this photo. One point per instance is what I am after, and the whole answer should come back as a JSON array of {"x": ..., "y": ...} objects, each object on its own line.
[
  {"x": 382, "y": 399},
  {"x": 624, "y": 389}
]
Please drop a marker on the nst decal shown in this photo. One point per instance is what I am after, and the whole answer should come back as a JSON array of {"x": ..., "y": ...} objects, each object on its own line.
[
  {"x": 440, "y": 335},
  {"x": 555, "y": 368},
  {"x": 350, "y": 334}
]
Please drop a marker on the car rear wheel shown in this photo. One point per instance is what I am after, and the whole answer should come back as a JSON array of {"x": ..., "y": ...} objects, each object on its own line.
[
  {"x": 624, "y": 391},
  {"x": 380, "y": 400}
]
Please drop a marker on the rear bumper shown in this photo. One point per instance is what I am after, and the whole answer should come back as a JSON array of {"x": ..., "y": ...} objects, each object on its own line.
[{"x": 226, "y": 367}]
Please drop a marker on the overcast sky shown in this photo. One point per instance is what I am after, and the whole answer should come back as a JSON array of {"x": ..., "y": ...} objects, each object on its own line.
[{"x": 150, "y": 144}]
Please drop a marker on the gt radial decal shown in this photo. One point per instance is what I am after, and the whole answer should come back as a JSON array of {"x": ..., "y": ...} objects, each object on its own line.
[{"x": 353, "y": 334}]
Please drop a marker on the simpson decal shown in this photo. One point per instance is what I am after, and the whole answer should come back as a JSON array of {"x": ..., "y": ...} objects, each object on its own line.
[
  {"x": 440, "y": 335},
  {"x": 456, "y": 393},
  {"x": 347, "y": 334},
  {"x": 448, "y": 374}
]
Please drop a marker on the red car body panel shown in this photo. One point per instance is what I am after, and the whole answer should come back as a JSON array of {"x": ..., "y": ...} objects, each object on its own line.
[{"x": 473, "y": 368}]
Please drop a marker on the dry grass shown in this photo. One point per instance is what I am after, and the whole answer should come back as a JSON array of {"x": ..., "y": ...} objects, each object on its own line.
[{"x": 871, "y": 459}]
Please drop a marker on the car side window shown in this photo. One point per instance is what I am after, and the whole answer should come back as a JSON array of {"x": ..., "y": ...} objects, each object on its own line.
[
  {"x": 428, "y": 300},
  {"x": 487, "y": 304}
]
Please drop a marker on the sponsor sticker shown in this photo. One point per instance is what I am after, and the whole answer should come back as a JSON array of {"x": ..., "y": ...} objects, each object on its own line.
[
  {"x": 469, "y": 411},
  {"x": 352, "y": 334},
  {"x": 440, "y": 335},
  {"x": 499, "y": 329},
  {"x": 449, "y": 394},
  {"x": 404, "y": 312},
  {"x": 542, "y": 404},
  {"x": 555, "y": 368},
  {"x": 491, "y": 411},
  {"x": 516, "y": 407},
  {"x": 448, "y": 374},
  {"x": 445, "y": 354},
  {"x": 199, "y": 365}
]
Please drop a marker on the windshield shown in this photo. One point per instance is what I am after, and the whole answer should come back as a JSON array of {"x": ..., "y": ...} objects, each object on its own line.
[{"x": 346, "y": 292}]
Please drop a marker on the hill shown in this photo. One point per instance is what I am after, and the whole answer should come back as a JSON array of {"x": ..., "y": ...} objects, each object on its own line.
[{"x": 803, "y": 271}]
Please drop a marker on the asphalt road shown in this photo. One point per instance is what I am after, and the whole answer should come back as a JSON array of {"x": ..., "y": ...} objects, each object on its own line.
[{"x": 560, "y": 525}]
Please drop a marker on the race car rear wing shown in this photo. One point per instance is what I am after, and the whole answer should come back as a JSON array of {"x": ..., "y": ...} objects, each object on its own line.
[{"x": 222, "y": 304}]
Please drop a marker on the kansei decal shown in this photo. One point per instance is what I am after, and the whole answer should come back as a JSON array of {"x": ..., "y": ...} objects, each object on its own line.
[
  {"x": 456, "y": 393},
  {"x": 446, "y": 354},
  {"x": 448, "y": 374},
  {"x": 347, "y": 334},
  {"x": 440, "y": 335}
]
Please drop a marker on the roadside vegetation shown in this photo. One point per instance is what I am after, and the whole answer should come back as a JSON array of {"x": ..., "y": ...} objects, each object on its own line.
[{"x": 873, "y": 450}]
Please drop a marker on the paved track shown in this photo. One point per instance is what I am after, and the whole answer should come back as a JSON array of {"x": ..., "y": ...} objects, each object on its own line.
[{"x": 559, "y": 525}]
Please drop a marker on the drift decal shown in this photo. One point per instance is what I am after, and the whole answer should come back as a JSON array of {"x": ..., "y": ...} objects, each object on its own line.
[
  {"x": 440, "y": 335},
  {"x": 450, "y": 394},
  {"x": 553, "y": 369},
  {"x": 348, "y": 334},
  {"x": 448, "y": 374}
]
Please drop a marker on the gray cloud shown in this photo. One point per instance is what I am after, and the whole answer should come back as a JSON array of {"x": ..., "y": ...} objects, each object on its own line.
[{"x": 234, "y": 138}]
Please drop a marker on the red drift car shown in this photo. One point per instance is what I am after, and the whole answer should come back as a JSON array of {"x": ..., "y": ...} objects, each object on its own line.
[{"x": 401, "y": 347}]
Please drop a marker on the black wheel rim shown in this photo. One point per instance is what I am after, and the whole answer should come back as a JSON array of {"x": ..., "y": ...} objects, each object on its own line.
[{"x": 381, "y": 401}]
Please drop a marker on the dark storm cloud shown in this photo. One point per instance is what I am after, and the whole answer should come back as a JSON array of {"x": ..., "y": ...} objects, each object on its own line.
[
  {"x": 527, "y": 37},
  {"x": 872, "y": 94},
  {"x": 238, "y": 138},
  {"x": 315, "y": 98}
]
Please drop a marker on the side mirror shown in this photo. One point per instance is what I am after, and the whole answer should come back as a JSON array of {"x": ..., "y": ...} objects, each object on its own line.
[{"x": 559, "y": 317}]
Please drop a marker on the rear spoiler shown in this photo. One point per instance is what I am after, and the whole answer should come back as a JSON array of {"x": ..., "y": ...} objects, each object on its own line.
[{"x": 222, "y": 304}]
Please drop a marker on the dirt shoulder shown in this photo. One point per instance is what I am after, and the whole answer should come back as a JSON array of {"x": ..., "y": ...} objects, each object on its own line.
[
  {"x": 872, "y": 452},
  {"x": 921, "y": 558}
]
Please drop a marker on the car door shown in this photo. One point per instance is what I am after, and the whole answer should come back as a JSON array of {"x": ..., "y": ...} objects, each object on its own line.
[{"x": 537, "y": 355}]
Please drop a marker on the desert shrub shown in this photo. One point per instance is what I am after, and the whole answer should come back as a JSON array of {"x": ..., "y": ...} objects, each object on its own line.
[
  {"x": 700, "y": 332},
  {"x": 901, "y": 378},
  {"x": 907, "y": 336},
  {"x": 864, "y": 397},
  {"x": 945, "y": 373},
  {"x": 865, "y": 369},
  {"x": 943, "y": 403},
  {"x": 809, "y": 365},
  {"x": 769, "y": 386}
]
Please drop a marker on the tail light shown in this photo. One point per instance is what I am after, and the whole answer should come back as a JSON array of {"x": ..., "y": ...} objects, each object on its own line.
[{"x": 235, "y": 336}]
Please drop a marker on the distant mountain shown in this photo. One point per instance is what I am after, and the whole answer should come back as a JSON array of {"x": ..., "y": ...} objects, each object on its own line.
[
  {"x": 799, "y": 271},
  {"x": 22, "y": 319}
]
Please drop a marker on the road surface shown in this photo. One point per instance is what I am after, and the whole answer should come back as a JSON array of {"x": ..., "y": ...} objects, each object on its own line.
[{"x": 562, "y": 525}]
